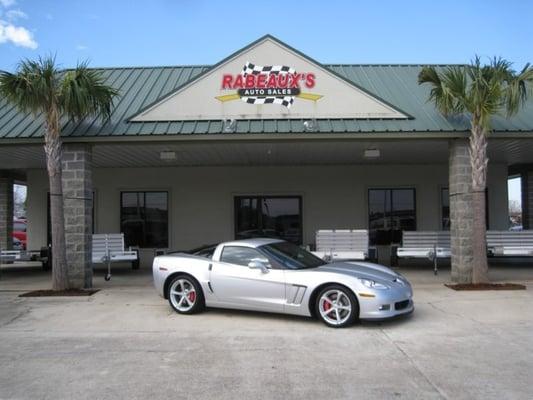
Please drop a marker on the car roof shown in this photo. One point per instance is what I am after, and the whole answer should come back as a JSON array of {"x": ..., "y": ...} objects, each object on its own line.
[{"x": 254, "y": 242}]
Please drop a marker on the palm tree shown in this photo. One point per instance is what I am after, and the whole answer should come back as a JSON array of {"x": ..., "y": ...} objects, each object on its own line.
[
  {"x": 39, "y": 87},
  {"x": 479, "y": 92}
]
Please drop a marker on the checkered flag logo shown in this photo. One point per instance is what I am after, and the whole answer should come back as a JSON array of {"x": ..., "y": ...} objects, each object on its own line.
[{"x": 252, "y": 69}]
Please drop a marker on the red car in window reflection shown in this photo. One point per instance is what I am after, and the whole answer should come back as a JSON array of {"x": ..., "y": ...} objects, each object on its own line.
[{"x": 19, "y": 231}]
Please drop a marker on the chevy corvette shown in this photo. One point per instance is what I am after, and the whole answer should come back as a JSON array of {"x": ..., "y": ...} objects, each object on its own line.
[{"x": 272, "y": 275}]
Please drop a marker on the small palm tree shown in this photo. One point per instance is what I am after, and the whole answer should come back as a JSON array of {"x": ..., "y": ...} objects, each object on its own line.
[
  {"x": 39, "y": 87},
  {"x": 479, "y": 92}
]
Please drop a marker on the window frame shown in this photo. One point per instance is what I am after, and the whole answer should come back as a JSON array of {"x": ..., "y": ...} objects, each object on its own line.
[
  {"x": 167, "y": 193},
  {"x": 259, "y": 197},
  {"x": 269, "y": 265}
]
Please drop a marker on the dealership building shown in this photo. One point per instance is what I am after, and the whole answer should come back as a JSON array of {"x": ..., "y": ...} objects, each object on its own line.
[{"x": 266, "y": 142}]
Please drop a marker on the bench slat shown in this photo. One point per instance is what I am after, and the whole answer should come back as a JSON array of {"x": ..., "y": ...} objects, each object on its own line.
[
  {"x": 342, "y": 243},
  {"x": 112, "y": 245}
]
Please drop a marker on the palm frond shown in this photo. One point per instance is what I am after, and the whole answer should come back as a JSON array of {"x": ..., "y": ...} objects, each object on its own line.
[
  {"x": 32, "y": 87},
  {"x": 447, "y": 88},
  {"x": 84, "y": 92},
  {"x": 519, "y": 88},
  {"x": 483, "y": 90}
]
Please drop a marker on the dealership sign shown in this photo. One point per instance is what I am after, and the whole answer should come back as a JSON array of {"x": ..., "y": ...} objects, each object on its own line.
[
  {"x": 266, "y": 80},
  {"x": 272, "y": 84}
]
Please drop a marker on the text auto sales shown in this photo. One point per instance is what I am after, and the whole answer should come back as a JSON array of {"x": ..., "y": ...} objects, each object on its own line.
[{"x": 268, "y": 84}]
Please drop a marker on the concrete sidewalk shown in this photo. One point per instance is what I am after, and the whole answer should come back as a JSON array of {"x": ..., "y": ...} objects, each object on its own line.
[{"x": 125, "y": 342}]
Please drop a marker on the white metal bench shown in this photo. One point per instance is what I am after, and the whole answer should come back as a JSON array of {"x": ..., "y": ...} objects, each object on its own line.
[
  {"x": 425, "y": 244},
  {"x": 109, "y": 248},
  {"x": 342, "y": 244},
  {"x": 9, "y": 256},
  {"x": 510, "y": 243}
]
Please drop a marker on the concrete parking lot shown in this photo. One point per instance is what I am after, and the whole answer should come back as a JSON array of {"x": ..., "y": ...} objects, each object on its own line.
[{"x": 125, "y": 342}]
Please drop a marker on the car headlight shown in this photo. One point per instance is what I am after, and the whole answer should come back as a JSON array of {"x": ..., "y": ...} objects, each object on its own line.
[
  {"x": 369, "y": 283},
  {"x": 401, "y": 281}
]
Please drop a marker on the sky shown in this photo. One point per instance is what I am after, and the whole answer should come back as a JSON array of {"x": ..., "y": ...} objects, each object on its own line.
[
  {"x": 114, "y": 33},
  {"x": 173, "y": 32}
]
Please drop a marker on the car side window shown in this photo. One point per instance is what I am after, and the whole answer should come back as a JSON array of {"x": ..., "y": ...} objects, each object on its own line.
[{"x": 242, "y": 256}]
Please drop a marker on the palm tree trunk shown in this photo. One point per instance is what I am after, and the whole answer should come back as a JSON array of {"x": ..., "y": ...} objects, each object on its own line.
[
  {"x": 479, "y": 162},
  {"x": 57, "y": 219}
]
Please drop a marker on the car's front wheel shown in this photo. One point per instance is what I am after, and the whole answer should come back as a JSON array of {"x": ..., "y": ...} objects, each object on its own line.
[
  {"x": 185, "y": 295},
  {"x": 337, "y": 306}
]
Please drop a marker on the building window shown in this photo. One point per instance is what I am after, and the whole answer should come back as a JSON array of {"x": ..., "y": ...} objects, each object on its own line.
[
  {"x": 390, "y": 211},
  {"x": 144, "y": 218},
  {"x": 445, "y": 209},
  {"x": 269, "y": 216}
]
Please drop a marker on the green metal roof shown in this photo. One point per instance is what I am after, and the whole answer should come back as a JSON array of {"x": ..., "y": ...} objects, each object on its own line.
[{"x": 139, "y": 87}]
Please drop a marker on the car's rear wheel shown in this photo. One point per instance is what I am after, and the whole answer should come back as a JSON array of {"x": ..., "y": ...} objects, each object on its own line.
[
  {"x": 185, "y": 295},
  {"x": 337, "y": 306}
]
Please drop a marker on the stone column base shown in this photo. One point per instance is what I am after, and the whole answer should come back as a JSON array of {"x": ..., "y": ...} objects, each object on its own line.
[
  {"x": 78, "y": 205},
  {"x": 461, "y": 215}
]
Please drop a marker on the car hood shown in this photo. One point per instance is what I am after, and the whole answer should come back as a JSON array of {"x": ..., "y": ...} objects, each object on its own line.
[{"x": 361, "y": 270}]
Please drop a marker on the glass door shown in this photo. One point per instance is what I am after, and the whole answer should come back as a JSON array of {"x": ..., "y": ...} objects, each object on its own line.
[
  {"x": 269, "y": 216},
  {"x": 390, "y": 211}
]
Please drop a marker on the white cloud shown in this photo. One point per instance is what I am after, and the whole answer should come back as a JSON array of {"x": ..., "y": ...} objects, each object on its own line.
[
  {"x": 7, "y": 3},
  {"x": 81, "y": 47},
  {"x": 18, "y": 35},
  {"x": 13, "y": 15},
  {"x": 49, "y": 16}
]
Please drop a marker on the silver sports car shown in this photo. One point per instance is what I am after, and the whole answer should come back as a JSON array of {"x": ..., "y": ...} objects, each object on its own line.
[{"x": 276, "y": 276}]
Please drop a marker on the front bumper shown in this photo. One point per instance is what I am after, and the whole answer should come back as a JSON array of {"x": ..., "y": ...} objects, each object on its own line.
[{"x": 387, "y": 304}]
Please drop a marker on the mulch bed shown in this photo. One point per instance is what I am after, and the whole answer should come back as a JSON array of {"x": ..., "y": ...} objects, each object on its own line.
[
  {"x": 60, "y": 293},
  {"x": 486, "y": 286}
]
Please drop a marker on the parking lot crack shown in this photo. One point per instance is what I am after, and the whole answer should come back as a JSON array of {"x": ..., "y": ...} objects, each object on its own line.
[
  {"x": 444, "y": 311},
  {"x": 16, "y": 317},
  {"x": 414, "y": 365}
]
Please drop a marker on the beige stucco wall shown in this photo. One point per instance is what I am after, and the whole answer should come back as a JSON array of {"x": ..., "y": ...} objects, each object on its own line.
[{"x": 201, "y": 198}]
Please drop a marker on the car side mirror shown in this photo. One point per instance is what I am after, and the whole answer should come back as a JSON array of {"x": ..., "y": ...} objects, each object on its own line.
[{"x": 255, "y": 264}]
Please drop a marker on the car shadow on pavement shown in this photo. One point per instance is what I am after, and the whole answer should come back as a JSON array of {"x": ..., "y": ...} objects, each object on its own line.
[{"x": 231, "y": 313}]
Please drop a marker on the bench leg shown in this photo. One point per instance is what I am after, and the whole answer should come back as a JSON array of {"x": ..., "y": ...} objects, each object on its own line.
[
  {"x": 108, "y": 276},
  {"x": 136, "y": 264}
]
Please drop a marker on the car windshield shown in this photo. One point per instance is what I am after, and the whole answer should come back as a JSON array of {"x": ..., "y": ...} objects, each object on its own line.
[{"x": 291, "y": 256}]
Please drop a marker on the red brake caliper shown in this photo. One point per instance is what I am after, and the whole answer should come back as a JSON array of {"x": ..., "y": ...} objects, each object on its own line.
[
  {"x": 327, "y": 306},
  {"x": 192, "y": 296}
]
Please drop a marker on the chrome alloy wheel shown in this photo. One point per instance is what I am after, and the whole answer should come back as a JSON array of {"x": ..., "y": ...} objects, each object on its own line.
[
  {"x": 183, "y": 295},
  {"x": 335, "y": 307}
]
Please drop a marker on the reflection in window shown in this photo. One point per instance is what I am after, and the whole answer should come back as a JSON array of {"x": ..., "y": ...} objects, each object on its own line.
[
  {"x": 272, "y": 216},
  {"x": 242, "y": 255},
  {"x": 390, "y": 211},
  {"x": 445, "y": 209},
  {"x": 144, "y": 218}
]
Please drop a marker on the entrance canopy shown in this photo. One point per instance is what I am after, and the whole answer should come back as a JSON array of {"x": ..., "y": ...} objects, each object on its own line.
[{"x": 287, "y": 152}]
